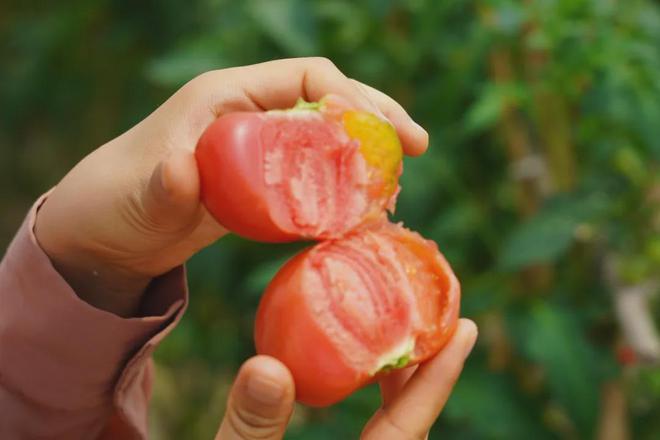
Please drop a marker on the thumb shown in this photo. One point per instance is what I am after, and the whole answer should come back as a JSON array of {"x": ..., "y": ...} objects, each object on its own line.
[
  {"x": 171, "y": 199},
  {"x": 260, "y": 402}
]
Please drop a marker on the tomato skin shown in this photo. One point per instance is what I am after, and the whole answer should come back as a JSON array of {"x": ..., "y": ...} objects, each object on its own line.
[
  {"x": 230, "y": 163},
  {"x": 314, "y": 171},
  {"x": 373, "y": 296},
  {"x": 287, "y": 327}
]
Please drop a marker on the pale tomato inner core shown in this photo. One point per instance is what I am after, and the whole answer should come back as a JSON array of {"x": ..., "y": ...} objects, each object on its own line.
[
  {"x": 376, "y": 298},
  {"x": 317, "y": 179}
]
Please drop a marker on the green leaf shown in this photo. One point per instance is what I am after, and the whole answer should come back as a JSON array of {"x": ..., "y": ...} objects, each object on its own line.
[
  {"x": 492, "y": 407},
  {"x": 550, "y": 336},
  {"x": 188, "y": 61},
  {"x": 543, "y": 239},
  {"x": 486, "y": 111},
  {"x": 548, "y": 236},
  {"x": 259, "y": 277},
  {"x": 290, "y": 23}
]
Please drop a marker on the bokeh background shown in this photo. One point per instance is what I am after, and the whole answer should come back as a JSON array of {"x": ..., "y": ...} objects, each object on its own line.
[{"x": 542, "y": 185}]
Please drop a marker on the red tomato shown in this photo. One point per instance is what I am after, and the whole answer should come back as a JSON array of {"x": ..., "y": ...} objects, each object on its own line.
[
  {"x": 315, "y": 171},
  {"x": 346, "y": 311}
]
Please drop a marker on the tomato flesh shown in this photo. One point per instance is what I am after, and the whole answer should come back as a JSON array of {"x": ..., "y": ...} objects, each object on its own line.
[
  {"x": 315, "y": 175},
  {"x": 373, "y": 296},
  {"x": 345, "y": 311},
  {"x": 301, "y": 173}
]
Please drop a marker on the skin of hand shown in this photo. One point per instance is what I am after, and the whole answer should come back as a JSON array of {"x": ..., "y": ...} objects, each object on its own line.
[
  {"x": 261, "y": 399},
  {"x": 130, "y": 211}
]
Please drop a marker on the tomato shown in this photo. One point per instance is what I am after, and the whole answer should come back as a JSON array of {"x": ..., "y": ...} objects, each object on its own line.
[
  {"x": 373, "y": 296},
  {"x": 316, "y": 171},
  {"x": 346, "y": 311}
]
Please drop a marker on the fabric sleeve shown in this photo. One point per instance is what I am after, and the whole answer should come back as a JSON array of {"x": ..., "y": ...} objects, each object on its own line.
[{"x": 67, "y": 369}]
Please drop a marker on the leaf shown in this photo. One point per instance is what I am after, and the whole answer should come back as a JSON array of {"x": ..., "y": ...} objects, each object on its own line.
[
  {"x": 549, "y": 235},
  {"x": 185, "y": 63},
  {"x": 550, "y": 336},
  {"x": 290, "y": 23},
  {"x": 543, "y": 239},
  {"x": 492, "y": 407},
  {"x": 259, "y": 277},
  {"x": 486, "y": 111}
]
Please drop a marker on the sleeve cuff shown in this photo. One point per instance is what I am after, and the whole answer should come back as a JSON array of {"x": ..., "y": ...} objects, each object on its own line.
[{"x": 59, "y": 351}]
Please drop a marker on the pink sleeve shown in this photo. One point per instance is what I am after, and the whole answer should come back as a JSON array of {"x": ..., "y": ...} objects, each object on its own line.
[{"x": 67, "y": 369}]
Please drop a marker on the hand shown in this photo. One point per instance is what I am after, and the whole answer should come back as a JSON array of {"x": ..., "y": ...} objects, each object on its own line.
[
  {"x": 130, "y": 211},
  {"x": 261, "y": 399}
]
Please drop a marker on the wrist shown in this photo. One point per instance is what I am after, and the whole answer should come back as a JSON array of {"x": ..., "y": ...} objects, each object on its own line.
[
  {"x": 93, "y": 279},
  {"x": 102, "y": 286}
]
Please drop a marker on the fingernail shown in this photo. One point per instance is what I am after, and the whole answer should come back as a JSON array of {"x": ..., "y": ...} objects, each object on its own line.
[
  {"x": 265, "y": 390},
  {"x": 470, "y": 338},
  {"x": 420, "y": 129}
]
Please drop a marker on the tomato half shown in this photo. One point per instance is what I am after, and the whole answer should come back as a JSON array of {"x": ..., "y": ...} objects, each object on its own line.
[
  {"x": 345, "y": 311},
  {"x": 316, "y": 171}
]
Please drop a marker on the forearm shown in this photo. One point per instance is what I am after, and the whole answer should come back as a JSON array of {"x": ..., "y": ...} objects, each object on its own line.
[{"x": 66, "y": 366}]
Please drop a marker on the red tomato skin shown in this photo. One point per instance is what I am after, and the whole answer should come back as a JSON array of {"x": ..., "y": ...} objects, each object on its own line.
[
  {"x": 452, "y": 297},
  {"x": 230, "y": 161},
  {"x": 286, "y": 329}
]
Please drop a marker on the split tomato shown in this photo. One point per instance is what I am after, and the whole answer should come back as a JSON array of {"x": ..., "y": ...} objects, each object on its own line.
[
  {"x": 346, "y": 311},
  {"x": 373, "y": 296},
  {"x": 317, "y": 170}
]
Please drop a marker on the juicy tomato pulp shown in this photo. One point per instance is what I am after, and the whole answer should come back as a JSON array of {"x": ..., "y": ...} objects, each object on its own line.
[
  {"x": 373, "y": 296},
  {"x": 317, "y": 171},
  {"x": 345, "y": 311}
]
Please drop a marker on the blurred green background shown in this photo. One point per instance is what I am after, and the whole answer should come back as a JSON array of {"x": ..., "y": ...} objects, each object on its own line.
[{"x": 542, "y": 185}]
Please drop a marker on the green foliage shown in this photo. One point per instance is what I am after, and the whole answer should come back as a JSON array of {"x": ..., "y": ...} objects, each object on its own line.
[
  {"x": 574, "y": 85},
  {"x": 554, "y": 340},
  {"x": 488, "y": 405}
]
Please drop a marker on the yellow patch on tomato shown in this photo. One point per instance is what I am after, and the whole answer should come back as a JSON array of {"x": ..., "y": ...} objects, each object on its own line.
[{"x": 379, "y": 145}]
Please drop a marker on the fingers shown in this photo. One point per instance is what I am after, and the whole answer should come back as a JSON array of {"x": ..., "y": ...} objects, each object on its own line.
[
  {"x": 392, "y": 384},
  {"x": 413, "y": 137},
  {"x": 260, "y": 402},
  {"x": 278, "y": 84},
  {"x": 411, "y": 414},
  {"x": 171, "y": 198}
]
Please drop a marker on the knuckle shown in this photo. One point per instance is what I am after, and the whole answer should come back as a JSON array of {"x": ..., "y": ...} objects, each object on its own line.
[
  {"x": 193, "y": 87},
  {"x": 359, "y": 85},
  {"x": 205, "y": 77},
  {"x": 323, "y": 63},
  {"x": 248, "y": 425},
  {"x": 402, "y": 432},
  {"x": 199, "y": 84}
]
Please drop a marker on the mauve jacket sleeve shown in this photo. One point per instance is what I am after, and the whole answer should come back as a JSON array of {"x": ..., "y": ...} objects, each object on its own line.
[{"x": 67, "y": 369}]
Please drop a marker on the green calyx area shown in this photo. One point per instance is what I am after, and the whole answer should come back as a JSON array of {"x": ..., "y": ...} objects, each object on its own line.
[
  {"x": 399, "y": 357},
  {"x": 395, "y": 364},
  {"x": 301, "y": 104}
]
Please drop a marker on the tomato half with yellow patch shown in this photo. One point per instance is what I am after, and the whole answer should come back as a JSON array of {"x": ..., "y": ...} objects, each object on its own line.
[
  {"x": 316, "y": 171},
  {"x": 346, "y": 311}
]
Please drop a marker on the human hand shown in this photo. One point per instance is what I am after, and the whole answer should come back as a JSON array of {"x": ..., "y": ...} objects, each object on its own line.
[
  {"x": 261, "y": 399},
  {"x": 131, "y": 211}
]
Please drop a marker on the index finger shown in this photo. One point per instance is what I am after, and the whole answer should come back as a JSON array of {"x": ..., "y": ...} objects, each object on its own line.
[
  {"x": 414, "y": 138},
  {"x": 278, "y": 84},
  {"x": 412, "y": 413}
]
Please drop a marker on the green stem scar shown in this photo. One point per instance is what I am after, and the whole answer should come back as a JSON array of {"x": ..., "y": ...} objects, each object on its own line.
[
  {"x": 301, "y": 104},
  {"x": 398, "y": 357},
  {"x": 395, "y": 364}
]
